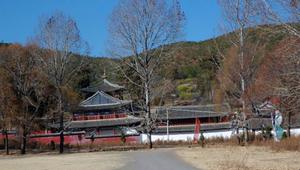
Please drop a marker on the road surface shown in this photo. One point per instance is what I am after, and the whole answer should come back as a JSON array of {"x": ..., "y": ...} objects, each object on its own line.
[{"x": 157, "y": 159}]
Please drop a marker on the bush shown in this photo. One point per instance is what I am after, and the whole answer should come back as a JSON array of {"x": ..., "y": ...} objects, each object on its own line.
[
  {"x": 186, "y": 96},
  {"x": 267, "y": 132},
  {"x": 284, "y": 135},
  {"x": 201, "y": 139},
  {"x": 184, "y": 88},
  {"x": 123, "y": 137}
]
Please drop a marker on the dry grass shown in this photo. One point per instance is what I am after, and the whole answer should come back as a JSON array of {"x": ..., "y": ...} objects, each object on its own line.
[
  {"x": 288, "y": 144},
  {"x": 77, "y": 161},
  {"x": 236, "y": 164},
  {"x": 258, "y": 153},
  {"x": 219, "y": 157}
]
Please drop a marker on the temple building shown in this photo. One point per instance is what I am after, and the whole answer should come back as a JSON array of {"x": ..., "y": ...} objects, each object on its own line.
[
  {"x": 185, "y": 116},
  {"x": 187, "y": 122},
  {"x": 100, "y": 117},
  {"x": 104, "y": 113}
]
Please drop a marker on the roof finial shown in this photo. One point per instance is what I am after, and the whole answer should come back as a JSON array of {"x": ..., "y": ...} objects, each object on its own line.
[{"x": 104, "y": 74}]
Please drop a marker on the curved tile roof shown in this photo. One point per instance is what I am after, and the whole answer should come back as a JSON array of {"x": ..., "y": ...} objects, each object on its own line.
[
  {"x": 104, "y": 86},
  {"x": 101, "y": 100}
]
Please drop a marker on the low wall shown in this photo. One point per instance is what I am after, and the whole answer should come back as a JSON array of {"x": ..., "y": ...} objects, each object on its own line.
[
  {"x": 185, "y": 136},
  {"x": 207, "y": 135},
  {"x": 78, "y": 140}
]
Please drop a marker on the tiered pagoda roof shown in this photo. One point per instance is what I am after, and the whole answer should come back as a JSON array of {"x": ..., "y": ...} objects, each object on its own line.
[
  {"x": 104, "y": 86},
  {"x": 101, "y": 100}
]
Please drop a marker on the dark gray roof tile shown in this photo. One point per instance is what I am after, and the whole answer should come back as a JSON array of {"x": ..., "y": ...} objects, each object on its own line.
[
  {"x": 104, "y": 85},
  {"x": 101, "y": 100}
]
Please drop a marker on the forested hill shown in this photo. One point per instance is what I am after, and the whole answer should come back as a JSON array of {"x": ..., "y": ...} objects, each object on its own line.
[
  {"x": 195, "y": 68},
  {"x": 191, "y": 69}
]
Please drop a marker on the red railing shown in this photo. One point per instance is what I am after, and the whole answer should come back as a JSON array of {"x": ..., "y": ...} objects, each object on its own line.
[{"x": 96, "y": 117}]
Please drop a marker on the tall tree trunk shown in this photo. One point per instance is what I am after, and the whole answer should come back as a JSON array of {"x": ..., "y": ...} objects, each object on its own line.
[
  {"x": 6, "y": 142},
  {"x": 24, "y": 141},
  {"x": 148, "y": 111},
  {"x": 61, "y": 122},
  {"x": 61, "y": 144},
  {"x": 289, "y": 125},
  {"x": 243, "y": 79},
  {"x": 150, "y": 140}
]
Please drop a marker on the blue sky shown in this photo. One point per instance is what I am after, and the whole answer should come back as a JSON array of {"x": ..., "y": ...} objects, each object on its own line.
[{"x": 19, "y": 19}]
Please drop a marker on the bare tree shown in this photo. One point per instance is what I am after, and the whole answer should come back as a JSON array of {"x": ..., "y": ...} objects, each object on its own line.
[
  {"x": 289, "y": 75},
  {"x": 286, "y": 13},
  {"x": 278, "y": 14},
  {"x": 60, "y": 37},
  {"x": 141, "y": 29},
  {"x": 27, "y": 88},
  {"x": 7, "y": 108},
  {"x": 239, "y": 67},
  {"x": 5, "y": 113},
  {"x": 279, "y": 76}
]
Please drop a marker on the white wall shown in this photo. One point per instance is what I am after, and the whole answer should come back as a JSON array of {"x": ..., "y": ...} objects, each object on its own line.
[
  {"x": 295, "y": 132},
  {"x": 185, "y": 136},
  {"x": 207, "y": 135}
]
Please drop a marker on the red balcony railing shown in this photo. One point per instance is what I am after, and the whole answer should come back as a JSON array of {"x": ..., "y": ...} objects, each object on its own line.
[{"x": 96, "y": 117}]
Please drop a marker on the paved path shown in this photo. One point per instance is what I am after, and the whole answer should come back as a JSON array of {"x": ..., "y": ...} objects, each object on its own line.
[{"x": 157, "y": 159}]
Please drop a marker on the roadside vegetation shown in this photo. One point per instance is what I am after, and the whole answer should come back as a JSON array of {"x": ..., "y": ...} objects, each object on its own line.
[{"x": 291, "y": 144}]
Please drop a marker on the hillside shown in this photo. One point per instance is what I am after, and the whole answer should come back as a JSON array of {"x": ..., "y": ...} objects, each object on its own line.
[
  {"x": 194, "y": 66},
  {"x": 191, "y": 68}
]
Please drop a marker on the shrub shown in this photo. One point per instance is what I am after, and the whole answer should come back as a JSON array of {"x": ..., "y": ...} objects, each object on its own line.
[
  {"x": 183, "y": 88},
  {"x": 123, "y": 137},
  {"x": 186, "y": 96},
  {"x": 268, "y": 134},
  {"x": 284, "y": 135},
  {"x": 201, "y": 139}
]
